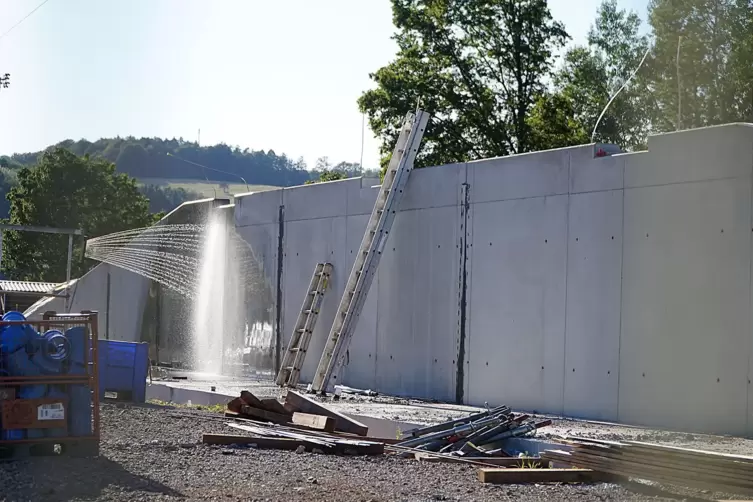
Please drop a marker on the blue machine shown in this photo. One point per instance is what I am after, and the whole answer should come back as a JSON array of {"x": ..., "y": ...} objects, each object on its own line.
[{"x": 24, "y": 353}]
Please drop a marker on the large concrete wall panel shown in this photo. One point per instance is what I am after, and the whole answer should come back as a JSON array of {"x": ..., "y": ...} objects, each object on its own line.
[
  {"x": 257, "y": 208},
  {"x": 593, "y": 174},
  {"x": 417, "y": 301},
  {"x": 521, "y": 176},
  {"x": 517, "y": 310},
  {"x": 361, "y": 362},
  {"x": 319, "y": 200},
  {"x": 685, "y": 301},
  {"x": 308, "y": 242},
  {"x": 718, "y": 152},
  {"x": 593, "y": 305}
]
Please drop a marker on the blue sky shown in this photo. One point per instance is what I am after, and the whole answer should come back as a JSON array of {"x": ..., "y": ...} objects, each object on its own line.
[{"x": 263, "y": 74}]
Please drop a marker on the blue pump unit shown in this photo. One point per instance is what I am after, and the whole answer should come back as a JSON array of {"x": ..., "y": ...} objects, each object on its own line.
[{"x": 26, "y": 353}]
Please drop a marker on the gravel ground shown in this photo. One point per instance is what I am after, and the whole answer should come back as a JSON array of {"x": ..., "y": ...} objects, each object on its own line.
[
  {"x": 425, "y": 413},
  {"x": 151, "y": 453}
]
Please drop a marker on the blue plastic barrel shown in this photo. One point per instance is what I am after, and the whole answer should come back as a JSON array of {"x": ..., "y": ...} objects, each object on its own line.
[
  {"x": 80, "y": 396},
  {"x": 11, "y": 434},
  {"x": 123, "y": 368}
]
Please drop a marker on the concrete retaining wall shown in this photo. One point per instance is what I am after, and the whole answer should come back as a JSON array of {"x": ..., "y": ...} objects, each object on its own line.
[
  {"x": 614, "y": 288},
  {"x": 121, "y": 317}
]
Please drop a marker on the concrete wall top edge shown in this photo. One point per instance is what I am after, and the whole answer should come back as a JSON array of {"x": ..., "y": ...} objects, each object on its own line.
[
  {"x": 708, "y": 153},
  {"x": 258, "y": 208}
]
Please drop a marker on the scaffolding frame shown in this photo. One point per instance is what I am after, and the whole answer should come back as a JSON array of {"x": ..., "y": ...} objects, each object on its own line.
[{"x": 70, "y": 232}]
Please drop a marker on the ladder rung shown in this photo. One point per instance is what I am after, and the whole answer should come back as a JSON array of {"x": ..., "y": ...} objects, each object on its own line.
[
  {"x": 297, "y": 349},
  {"x": 310, "y": 311}
]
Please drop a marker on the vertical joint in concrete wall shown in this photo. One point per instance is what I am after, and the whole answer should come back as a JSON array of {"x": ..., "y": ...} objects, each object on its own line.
[
  {"x": 278, "y": 305},
  {"x": 463, "y": 287}
]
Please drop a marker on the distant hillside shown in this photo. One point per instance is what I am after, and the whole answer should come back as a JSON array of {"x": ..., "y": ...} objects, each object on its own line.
[
  {"x": 161, "y": 158},
  {"x": 169, "y": 176}
]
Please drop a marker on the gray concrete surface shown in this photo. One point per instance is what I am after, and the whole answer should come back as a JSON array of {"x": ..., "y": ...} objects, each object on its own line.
[{"x": 614, "y": 288}]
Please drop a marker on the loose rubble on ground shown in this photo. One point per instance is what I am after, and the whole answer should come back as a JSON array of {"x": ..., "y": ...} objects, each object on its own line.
[{"x": 300, "y": 448}]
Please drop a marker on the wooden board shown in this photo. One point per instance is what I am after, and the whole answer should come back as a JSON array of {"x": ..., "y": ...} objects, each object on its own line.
[
  {"x": 639, "y": 470},
  {"x": 342, "y": 423},
  {"x": 293, "y": 444},
  {"x": 319, "y": 422},
  {"x": 276, "y": 418},
  {"x": 690, "y": 452},
  {"x": 273, "y": 405},
  {"x": 251, "y": 400},
  {"x": 680, "y": 463},
  {"x": 515, "y": 476},
  {"x": 490, "y": 461}
]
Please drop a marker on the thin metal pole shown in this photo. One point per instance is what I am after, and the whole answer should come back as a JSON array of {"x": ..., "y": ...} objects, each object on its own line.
[
  {"x": 1, "y": 249},
  {"x": 107, "y": 309},
  {"x": 679, "y": 86},
  {"x": 363, "y": 136},
  {"x": 68, "y": 273}
]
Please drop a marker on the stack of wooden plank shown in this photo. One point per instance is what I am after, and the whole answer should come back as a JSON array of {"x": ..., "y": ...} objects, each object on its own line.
[
  {"x": 659, "y": 463},
  {"x": 297, "y": 410},
  {"x": 300, "y": 424}
]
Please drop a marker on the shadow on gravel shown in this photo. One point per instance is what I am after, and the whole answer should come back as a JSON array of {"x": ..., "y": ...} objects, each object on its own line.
[{"x": 64, "y": 478}]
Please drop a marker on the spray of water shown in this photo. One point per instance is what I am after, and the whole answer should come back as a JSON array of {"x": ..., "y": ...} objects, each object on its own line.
[
  {"x": 216, "y": 271},
  {"x": 209, "y": 327}
]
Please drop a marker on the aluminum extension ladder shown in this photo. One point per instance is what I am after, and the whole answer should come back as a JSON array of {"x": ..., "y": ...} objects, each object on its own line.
[
  {"x": 290, "y": 369},
  {"x": 367, "y": 259}
]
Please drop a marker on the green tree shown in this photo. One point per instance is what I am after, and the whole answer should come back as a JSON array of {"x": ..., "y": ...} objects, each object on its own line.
[
  {"x": 553, "y": 123},
  {"x": 589, "y": 76},
  {"x": 67, "y": 191},
  {"x": 328, "y": 175},
  {"x": 478, "y": 66},
  {"x": 711, "y": 81}
]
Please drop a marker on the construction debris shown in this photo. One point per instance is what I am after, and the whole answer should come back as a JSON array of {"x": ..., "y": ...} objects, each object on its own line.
[
  {"x": 344, "y": 389},
  {"x": 303, "y": 424},
  {"x": 479, "y": 433},
  {"x": 298, "y": 402},
  {"x": 297, "y": 409},
  {"x": 698, "y": 469}
]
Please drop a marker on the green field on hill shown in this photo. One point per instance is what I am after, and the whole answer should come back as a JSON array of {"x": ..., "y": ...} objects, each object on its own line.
[{"x": 205, "y": 188}]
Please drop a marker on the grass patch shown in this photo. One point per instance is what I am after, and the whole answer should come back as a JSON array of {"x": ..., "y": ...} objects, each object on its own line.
[{"x": 204, "y": 188}]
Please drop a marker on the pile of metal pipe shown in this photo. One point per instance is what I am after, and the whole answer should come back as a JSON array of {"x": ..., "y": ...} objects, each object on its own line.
[{"x": 467, "y": 434}]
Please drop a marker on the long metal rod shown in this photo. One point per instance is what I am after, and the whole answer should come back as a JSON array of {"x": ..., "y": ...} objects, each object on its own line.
[
  {"x": 460, "y": 431},
  {"x": 41, "y": 230},
  {"x": 422, "y": 431},
  {"x": 68, "y": 272}
]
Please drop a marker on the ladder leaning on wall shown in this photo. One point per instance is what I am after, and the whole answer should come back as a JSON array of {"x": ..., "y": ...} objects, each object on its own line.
[
  {"x": 367, "y": 259},
  {"x": 292, "y": 362}
]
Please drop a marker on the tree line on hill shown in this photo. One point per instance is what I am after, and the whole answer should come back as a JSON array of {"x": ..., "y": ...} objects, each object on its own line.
[
  {"x": 145, "y": 158},
  {"x": 176, "y": 159}
]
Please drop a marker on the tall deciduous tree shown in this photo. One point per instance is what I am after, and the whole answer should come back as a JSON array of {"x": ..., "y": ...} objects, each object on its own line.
[
  {"x": 590, "y": 75},
  {"x": 477, "y": 66},
  {"x": 67, "y": 191},
  {"x": 712, "y": 84}
]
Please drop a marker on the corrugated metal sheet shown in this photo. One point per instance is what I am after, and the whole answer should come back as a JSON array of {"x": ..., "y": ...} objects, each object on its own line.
[{"x": 27, "y": 287}]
